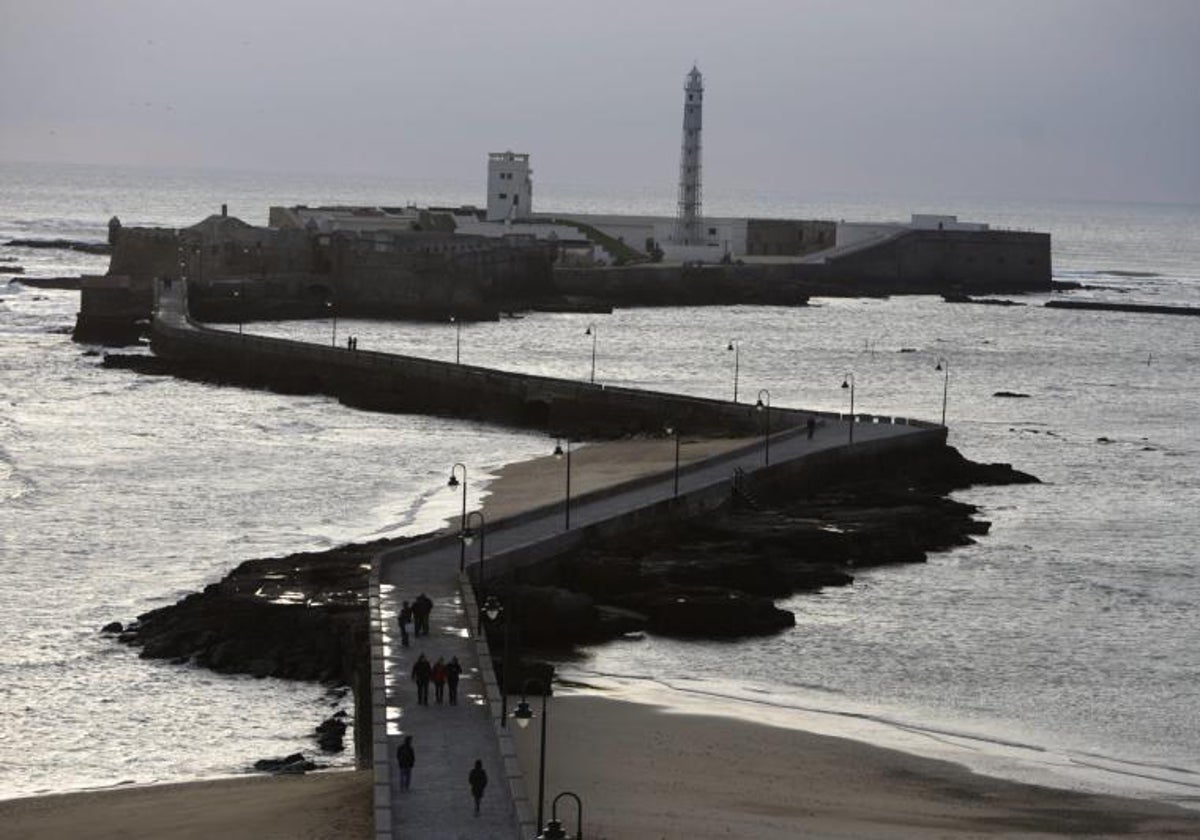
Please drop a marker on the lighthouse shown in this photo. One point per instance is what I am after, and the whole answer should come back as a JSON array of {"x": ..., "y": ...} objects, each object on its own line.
[{"x": 687, "y": 222}]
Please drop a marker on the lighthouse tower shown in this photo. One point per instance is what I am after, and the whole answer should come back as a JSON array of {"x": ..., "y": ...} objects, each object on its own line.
[{"x": 687, "y": 223}]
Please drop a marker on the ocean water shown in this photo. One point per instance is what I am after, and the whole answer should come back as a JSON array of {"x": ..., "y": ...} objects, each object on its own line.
[{"x": 1060, "y": 648}]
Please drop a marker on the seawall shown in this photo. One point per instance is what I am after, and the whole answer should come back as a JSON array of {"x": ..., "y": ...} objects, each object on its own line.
[{"x": 386, "y": 382}]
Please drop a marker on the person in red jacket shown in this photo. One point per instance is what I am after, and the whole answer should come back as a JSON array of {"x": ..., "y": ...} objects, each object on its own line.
[{"x": 439, "y": 679}]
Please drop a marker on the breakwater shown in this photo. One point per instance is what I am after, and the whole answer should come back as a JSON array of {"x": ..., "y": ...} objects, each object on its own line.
[{"x": 387, "y": 382}]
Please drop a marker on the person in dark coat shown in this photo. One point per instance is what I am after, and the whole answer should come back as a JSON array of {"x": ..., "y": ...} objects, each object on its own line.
[
  {"x": 478, "y": 781},
  {"x": 439, "y": 680},
  {"x": 406, "y": 758},
  {"x": 405, "y": 618},
  {"x": 421, "y": 672},
  {"x": 811, "y": 426},
  {"x": 422, "y": 607},
  {"x": 453, "y": 672}
]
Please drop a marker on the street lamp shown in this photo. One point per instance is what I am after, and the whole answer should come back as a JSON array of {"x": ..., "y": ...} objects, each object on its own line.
[
  {"x": 848, "y": 382},
  {"x": 735, "y": 344},
  {"x": 554, "y": 829},
  {"x": 493, "y": 608},
  {"x": 457, "y": 339},
  {"x": 468, "y": 537},
  {"x": 333, "y": 315},
  {"x": 462, "y": 524},
  {"x": 592, "y": 331},
  {"x": 237, "y": 297},
  {"x": 765, "y": 407},
  {"x": 674, "y": 430},
  {"x": 523, "y": 715},
  {"x": 944, "y": 364},
  {"x": 559, "y": 451}
]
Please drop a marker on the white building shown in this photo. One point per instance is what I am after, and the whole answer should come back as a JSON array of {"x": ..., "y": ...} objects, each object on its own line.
[{"x": 510, "y": 187}]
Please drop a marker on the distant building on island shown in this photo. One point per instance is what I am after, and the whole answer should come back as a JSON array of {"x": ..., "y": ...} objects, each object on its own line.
[{"x": 509, "y": 187}]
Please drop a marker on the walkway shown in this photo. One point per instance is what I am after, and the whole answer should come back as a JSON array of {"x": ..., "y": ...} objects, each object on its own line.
[{"x": 449, "y": 739}]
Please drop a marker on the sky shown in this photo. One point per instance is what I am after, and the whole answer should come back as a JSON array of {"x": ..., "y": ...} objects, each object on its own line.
[{"x": 1016, "y": 99}]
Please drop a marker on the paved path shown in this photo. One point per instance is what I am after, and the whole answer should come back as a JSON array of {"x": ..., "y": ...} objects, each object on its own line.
[{"x": 448, "y": 739}]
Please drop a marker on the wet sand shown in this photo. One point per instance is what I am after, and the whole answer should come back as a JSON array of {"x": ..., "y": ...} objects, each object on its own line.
[{"x": 644, "y": 772}]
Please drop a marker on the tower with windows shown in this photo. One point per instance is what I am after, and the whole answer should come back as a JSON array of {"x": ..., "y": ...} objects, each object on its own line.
[
  {"x": 510, "y": 187},
  {"x": 688, "y": 225}
]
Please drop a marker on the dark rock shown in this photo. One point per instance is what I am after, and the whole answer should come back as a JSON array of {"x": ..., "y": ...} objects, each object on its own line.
[
  {"x": 612, "y": 622},
  {"x": 112, "y": 627},
  {"x": 330, "y": 733},
  {"x": 710, "y": 612},
  {"x": 63, "y": 245},
  {"x": 1015, "y": 394},
  {"x": 292, "y": 764}
]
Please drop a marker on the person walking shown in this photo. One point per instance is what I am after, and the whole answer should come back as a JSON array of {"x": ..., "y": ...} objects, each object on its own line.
[
  {"x": 439, "y": 680},
  {"x": 421, "y": 672},
  {"x": 453, "y": 672},
  {"x": 810, "y": 426},
  {"x": 422, "y": 607},
  {"x": 406, "y": 758},
  {"x": 405, "y": 618},
  {"x": 478, "y": 781}
]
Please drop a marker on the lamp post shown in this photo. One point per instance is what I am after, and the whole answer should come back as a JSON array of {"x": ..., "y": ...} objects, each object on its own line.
[
  {"x": 554, "y": 829},
  {"x": 457, "y": 339},
  {"x": 674, "y": 430},
  {"x": 592, "y": 331},
  {"x": 944, "y": 364},
  {"x": 735, "y": 345},
  {"x": 468, "y": 536},
  {"x": 848, "y": 382},
  {"x": 765, "y": 407},
  {"x": 333, "y": 315},
  {"x": 559, "y": 451},
  {"x": 523, "y": 715},
  {"x": 237, "y": 298},
  {"x": 462, "y": 524}
]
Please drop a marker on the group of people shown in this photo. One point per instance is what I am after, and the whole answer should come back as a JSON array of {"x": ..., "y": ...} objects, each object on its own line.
[
  {"x": 416, "y": 614},
  {"x": 406, "y": 757},
  {"x": 444, "y": 675}
]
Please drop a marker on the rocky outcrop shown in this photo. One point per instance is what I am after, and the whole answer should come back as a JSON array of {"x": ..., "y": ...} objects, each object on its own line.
[
  {"x": 63, "y": 245},
  {"x": 720, "y": 577},
  {"x": 300, "y": 617}
]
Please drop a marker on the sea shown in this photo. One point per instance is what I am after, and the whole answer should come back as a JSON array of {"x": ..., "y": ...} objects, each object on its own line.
[{"x": 1062, "y": 648}]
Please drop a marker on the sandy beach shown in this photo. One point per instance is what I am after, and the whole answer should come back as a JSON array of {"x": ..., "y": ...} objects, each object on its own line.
[
  {"x": 641, "y": 772},
  {"x": 319, "y": 806}
]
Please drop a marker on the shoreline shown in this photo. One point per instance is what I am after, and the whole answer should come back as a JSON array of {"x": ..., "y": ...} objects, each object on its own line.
[
  {"x": 987, "y": 755},
  {"x": 641, "y": 768}
]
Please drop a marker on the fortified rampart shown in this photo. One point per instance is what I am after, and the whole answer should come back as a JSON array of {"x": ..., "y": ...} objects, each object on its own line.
[
  {"x": 236, "y": 271},
  {"x": 912, "y": 262}
]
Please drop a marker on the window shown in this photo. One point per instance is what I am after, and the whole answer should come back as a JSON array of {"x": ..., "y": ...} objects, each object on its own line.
[
  {"x": 503, "y": 195},
  {"x": 712, "y": 231},
  {"x": 516, "y": 199}
]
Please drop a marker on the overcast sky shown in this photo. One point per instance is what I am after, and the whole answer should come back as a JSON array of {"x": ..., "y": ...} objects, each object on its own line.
[{"x": 1022, "y": 99}]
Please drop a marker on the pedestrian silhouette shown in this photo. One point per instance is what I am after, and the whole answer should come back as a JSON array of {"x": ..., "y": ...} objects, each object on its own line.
[
  {"x": 406, "y": 758},
  {"x": 453, "y": 672},
  {"x": 439, "y": 679},
  {"x": 811, "y": 426},
  {"x": 421, "y": 672},
  {"x": 405, "y": 617},
  {"x": 478, "y": 780},
  {"x": 421, "y": 608}
]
